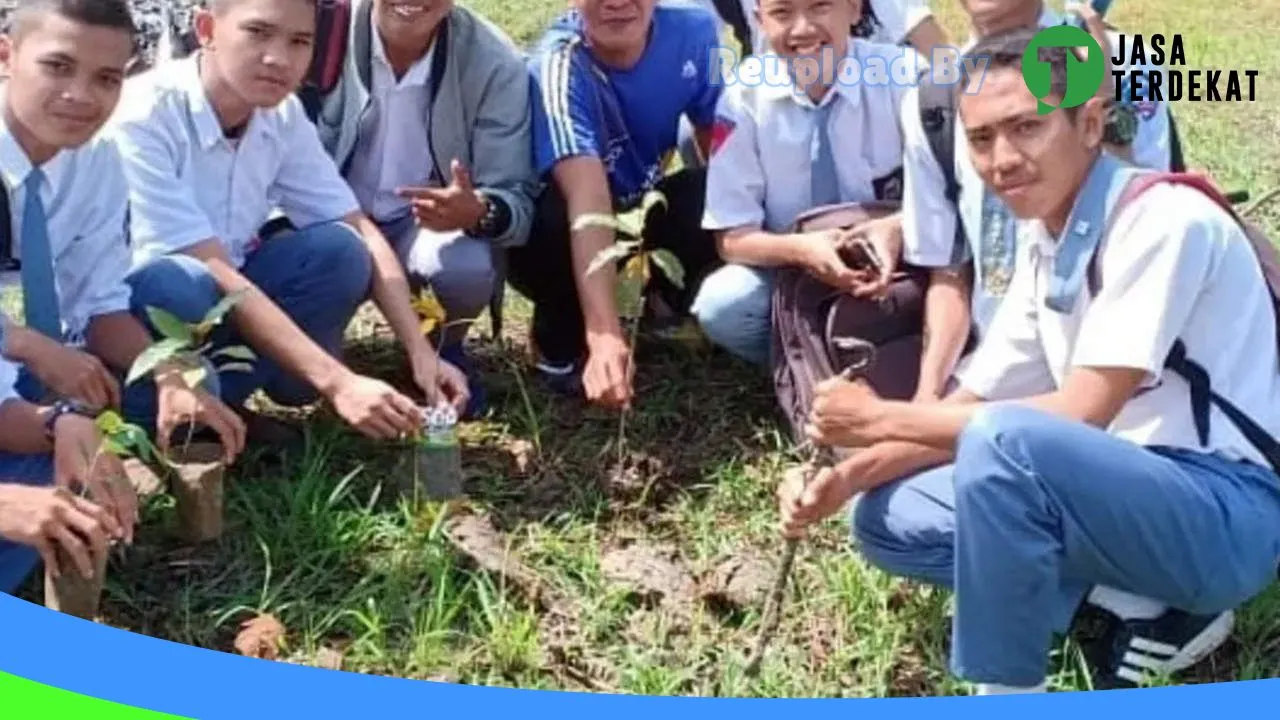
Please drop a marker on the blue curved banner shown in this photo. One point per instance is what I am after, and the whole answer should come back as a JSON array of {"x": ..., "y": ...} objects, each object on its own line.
[{"x": 97, "y": 661}]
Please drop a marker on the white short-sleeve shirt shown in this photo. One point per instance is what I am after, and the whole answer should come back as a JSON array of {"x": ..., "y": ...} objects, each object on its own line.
[
  {"x": 1174, "y": 265},
  {"x": 929, "y": 220},
  {"x": 189, "y": 183},
  {"x": 759, "y": 171},
  {"x": 85, "y": 204}
]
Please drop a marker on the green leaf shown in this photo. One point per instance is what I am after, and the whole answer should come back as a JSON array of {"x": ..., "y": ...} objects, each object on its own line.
[
  {"x": 169, "y": 325},
  {"x": 236, "y": 367},
  {"x": 194, "y": 376},
  {"x": 611, "y": 254},
  {"x": 152, "y": 356},
  {"x": 109, "y": 422},
  {"x": 670, "y": 266},
  {"x": 597, "y": 220},
  {"x": 236, "y": 352},
  {"x": 652, "y": 198},
  {"x": 217, "y": 312}
]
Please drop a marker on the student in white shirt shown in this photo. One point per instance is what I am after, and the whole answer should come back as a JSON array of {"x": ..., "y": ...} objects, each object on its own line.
[
  {"x": 771, "y": 143},
  {"x": 212, "y": 144},
  {"x": 970, "y": 269},
  {"x": 67, "y": 206},
  {"x": 64, "y": 60},
  {"x": 889, "y": 22},
  {"x": 1069, "y": 459}
]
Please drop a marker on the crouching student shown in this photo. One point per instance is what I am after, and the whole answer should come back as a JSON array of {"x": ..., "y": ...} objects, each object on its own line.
[
  {"x": 1072, "y": 457},
  {"x": 610, "y": 85},
  {"x": 430, "y": 123},
  {"x": 67, "y": 201},
  {"x": 782, "y": 148},
  {"x": 212, "y": 144},
  {"x": 55, "y": 498}
]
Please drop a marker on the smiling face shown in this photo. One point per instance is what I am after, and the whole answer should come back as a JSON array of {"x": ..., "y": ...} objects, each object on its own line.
[
  {"x": 258, "y": 50},
  {"x": 1035, "y": 163},
  {"x": 807, "y": 28},
  {"x": 409, "y": 23},
  {"x": 618, "y": 30},
  {"x": 65, "y": 78}
]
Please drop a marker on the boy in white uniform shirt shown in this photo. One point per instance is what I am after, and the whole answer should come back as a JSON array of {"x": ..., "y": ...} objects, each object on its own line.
[
  {"x": 67, "y": 203},
  {"x": 1069, "y": 459},
  {"x": 970, "y": 269},
  {"x": 780, "y": 149},
  {"x": 63, "y": 61},
  {"x": 214, "y": 143}
]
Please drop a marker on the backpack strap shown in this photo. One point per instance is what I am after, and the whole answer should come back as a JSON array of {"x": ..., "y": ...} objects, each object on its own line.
[
  {"x": 938, "y": 118},
  {"x": 1196, "y": 377}
]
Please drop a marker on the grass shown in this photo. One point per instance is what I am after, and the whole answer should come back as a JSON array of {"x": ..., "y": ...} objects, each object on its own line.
[{"x": 364, "y": 580}]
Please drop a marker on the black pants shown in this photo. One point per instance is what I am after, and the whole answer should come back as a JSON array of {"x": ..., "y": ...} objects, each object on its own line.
[{"x": 542, "y": 269}]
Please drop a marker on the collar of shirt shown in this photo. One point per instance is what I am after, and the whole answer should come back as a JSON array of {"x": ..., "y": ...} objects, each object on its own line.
[
  {"x": 15, "y": 166},
  {"x": 419, "y": 74},
  {"x": 849, "y": 90},
  {"x": 203, "y": 117}
]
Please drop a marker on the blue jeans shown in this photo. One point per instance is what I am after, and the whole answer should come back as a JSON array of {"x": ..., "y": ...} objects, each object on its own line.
[
  {"x": 1037, "y": 510},
  {"x": 734, "y": 306},
  {"x": 17, "y": 561},
  {"x": 318, "y": 276}
]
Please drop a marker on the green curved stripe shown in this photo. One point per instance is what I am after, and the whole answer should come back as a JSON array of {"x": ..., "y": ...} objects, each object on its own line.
[{"x": 21, "y": 699}]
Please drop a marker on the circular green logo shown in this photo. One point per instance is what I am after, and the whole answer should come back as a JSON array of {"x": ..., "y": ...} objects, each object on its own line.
[{"x": 1084, "y": 77}]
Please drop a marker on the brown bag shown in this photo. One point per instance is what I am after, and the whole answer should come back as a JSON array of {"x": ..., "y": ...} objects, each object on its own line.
[{"x": 810, "y": 319}]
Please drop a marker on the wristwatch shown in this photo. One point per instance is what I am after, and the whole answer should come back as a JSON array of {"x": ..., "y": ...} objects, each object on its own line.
[
  {"x": 60, "y": 408},
  {"x": 492, "y": 221}
]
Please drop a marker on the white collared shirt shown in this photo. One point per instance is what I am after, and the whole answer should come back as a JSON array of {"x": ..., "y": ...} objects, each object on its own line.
[
  {"x": 759, "y": 170},
  {"x": 929, "y": 221},
  {"x": 189, "y": 183},
  {"x": 394, "y": 150},
  {"x": 85, "y": 202},
  {"x": 1174, "y": 265}
]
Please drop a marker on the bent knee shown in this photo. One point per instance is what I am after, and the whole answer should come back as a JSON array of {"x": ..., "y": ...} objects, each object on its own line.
[
  {"x": 338, "y": 251},
  {"x": 733, "y": 297},
  {"x": 179, "y": 284}
]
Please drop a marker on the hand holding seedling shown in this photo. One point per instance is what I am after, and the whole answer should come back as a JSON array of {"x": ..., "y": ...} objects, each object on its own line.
[
  {"x": 81, "y": 465},
  {"x": 180, "y": 406},
  {"x": 49, "y": 519}
]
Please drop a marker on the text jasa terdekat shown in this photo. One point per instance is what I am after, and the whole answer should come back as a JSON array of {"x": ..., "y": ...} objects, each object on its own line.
[{"x": 1167, "y": 80}]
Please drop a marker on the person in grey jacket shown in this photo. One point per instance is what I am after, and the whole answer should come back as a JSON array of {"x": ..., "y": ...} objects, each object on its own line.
[{"x": 430, "y": 124}]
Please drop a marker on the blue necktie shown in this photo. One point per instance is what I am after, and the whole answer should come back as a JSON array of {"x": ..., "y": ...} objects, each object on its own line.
[
  {"x": 824, "y": 183},
  {"x": 39, "y": 292}
]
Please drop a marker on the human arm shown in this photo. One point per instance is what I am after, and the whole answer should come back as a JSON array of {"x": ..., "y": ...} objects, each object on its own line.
[
  {"x": 946, "y": 330},
  {"x": 79, "y": 462}
]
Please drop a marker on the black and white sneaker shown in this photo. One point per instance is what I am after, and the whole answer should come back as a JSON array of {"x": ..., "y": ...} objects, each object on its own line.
[{"x": 1132, "y": 650}]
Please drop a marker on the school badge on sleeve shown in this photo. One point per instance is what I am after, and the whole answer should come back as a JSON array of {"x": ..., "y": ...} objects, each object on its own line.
[{"x": 721, "y": 129}]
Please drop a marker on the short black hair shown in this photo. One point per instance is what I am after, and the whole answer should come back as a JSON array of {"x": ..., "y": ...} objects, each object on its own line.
[
  {"x": 218, "y": 7},
  {"x": 1005, "y": 50},
  {"x": 114, "y": 14}
]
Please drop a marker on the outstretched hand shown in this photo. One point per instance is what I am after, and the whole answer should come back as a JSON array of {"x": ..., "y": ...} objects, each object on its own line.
[{"x": 453, "y": 208}]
